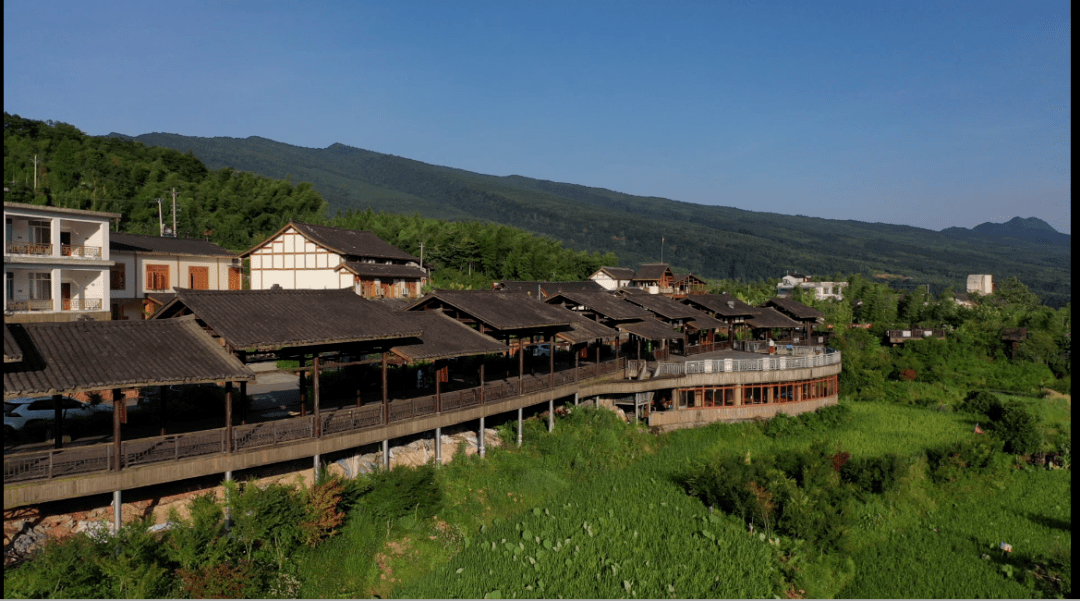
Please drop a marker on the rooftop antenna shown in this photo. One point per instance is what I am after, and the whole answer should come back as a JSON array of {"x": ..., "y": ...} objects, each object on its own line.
[
  {"x": 161, "y": 223},
  {"x": 661, "y": 249}
]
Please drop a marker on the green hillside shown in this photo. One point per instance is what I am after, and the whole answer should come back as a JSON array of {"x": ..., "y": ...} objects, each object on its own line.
[{"x": 714, "y": 242}]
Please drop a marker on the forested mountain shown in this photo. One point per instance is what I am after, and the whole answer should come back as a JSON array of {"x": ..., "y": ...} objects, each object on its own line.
[
  {"x": 714, "y": 242},
  {"x": 1016, "y": 231},
  {"x": 239, "y": 209}
]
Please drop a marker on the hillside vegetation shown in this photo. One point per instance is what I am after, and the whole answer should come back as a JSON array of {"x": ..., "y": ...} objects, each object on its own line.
[
  {"x": 711, "y": 241},
  {"x": 237, "y": 209}
]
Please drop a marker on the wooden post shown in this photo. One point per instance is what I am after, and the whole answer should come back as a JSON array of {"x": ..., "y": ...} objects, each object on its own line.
[
  {"x": 163, "y": 394},
  {"x": 315, "y": 385},
  {"x": 521, "y": 367},
  {"x": 438, "y": 387},
  {"x": 482, "y": 379},
  {"x": 303, "y": 387},
  {"x": 243, "y": 403},
  {"x": 638, "y": 347},
  {"x": 385, "y": 393},
  {"x": 58, "y": 421},
  {"x": 117, "y": 400},
  {"x": 228, "y": 418},
  {"x": 551, "y": 361},
  {"x": 598, "y": 345}
]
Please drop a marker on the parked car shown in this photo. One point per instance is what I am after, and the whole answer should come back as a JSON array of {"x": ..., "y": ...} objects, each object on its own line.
[
  {"x": 542, "y": 350},
  {"x": 20, "y": 412}
]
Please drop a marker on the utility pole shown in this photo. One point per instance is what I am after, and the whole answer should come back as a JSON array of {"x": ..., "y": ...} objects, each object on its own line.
[
  {"x": 661, "y": 249},
  {"x": 35, "y": 172},
  {"x": 421, "y": 255},
  {"x": 174, "y": 212},
  {"x": 161, "y": 223}
]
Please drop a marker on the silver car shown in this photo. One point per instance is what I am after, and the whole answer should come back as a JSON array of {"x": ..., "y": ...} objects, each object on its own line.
[{"x": 19, "y": 412}]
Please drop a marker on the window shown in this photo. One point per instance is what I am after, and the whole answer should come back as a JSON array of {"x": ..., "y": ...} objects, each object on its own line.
[
  {"x": 157, "y": 277},
  {"x": 117, "y": 279},
  {"x": 39, "y": 231},
  {"x": 9, "y": 285},
  {"x": 41, "y": 286},
  {"x": 236, "y": 278}
]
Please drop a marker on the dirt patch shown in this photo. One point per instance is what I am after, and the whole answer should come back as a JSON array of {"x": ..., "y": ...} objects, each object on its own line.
[{"x": 1053, "y": 394}]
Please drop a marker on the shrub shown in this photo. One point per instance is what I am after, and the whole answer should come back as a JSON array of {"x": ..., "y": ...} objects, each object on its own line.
[
  {"x": 874, "y": 474},
  {"x": 983, "y": 403},
  {"x": 60, "y": 569},
  {"x": 402, "y": 491},
  {"x": 948, "y": 462},
  {"x": 1018, "y": 429}
]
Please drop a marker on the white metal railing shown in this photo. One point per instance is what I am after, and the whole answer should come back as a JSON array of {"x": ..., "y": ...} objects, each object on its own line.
[
  {"x": 89, "y": 252},
  {"x": 830, "y": 357},
  {"x": 28, "y": 248},
  {"x": 85, "y": 304},
  {"x": 30, "y": 305}
]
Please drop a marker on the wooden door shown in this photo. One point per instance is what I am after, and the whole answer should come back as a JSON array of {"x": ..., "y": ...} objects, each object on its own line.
[
  {"x": 236, "y": 278},
  {"x": 199, "y": 278},
  {"x": 65, "y": 296}
]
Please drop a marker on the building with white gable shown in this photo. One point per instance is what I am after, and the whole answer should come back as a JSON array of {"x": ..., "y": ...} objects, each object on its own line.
[{"x": 316, "y": 257}]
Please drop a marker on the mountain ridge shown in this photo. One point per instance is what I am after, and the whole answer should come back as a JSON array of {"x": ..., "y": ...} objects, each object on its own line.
[{"x": 712, "y": 241}]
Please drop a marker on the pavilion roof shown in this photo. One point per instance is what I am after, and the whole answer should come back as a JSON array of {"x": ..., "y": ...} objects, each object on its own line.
[
  {"x": 723, "y": 305},
  {"x": 650, "y": 329},
  {"x": 651, "y": 272},
  {"x": 583, "y": 329},
  {"x": 444, "y": 337},
  {"x": 794, "y": 309},
  {"x": 550, "y": 288},
  {"x": 704, "y": 322},
  {"x": 767, "y": 317},
  {"x": 604, "y": 304},
  {"x": 270, "y": 320},
  {"x": 82, "y": 356},
  {"x": 665, "y": 307},
  {"x": 498, "y": 310}
]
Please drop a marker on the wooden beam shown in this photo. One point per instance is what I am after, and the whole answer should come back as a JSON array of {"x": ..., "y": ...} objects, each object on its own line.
[
  {"x": 228, "y": 417},
  {"x": 315, "y": 383},
  {"x": 58, "y": 421},
  {"x": 117, "y": 400}
]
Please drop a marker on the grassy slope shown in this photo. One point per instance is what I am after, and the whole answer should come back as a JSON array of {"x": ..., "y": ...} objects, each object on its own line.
[{"x": 553, "y": 486}]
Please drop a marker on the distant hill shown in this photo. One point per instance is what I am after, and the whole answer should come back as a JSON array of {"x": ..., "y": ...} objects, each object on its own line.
[
  {"x": 714, "y": 242},
  {"x": 1017, "y": 230}
]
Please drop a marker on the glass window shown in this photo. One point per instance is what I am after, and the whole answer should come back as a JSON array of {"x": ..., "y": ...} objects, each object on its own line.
[
  {"x": 9, "y": 285},
  {"x": 40, "y": 231},
  {"x": 41, "y": 286}
]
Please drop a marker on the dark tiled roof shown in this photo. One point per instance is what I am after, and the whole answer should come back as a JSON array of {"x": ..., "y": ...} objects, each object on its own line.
[
  {"x": 603, "y": 303},
  {"x": 619, "y": 273},
  {"x": 498, "y": 310},
  {"x": 444, "y": 337},
  {"x": 81, "y": 356},
  {"x": 663, "y": 306},
  {"x": 275, "y": 319},
  {"x": 550, "y": 288},
  {"x": 165, "y": 246},
  {"x": 12, "y": 352},
  {"x": 794, "y": 309},
  {"x": 650, "y": 272},
  {"x": 650, "y": 329},
  {"x": 679, "y": 278},
  {"x": 723, "y": 305},
  {"x": 394, "y": 304},
  {"x": 767, "y": 317},
  {"x": 352, "y": 243},
  {"x": 583, "y": 329},
  {"x": 384, "y": 270},
  {"x": 704, "y": 322}
]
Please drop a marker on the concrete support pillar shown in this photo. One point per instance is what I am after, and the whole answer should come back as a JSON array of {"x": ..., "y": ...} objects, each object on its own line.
[
  {"x": 317, "y": 460},
  {"x": 576, "y": 401},
  {"x": 738, "y": 396},
  {"x": 551, "y": 414},
  {"x": 386, "y": 454},
  {"x": 520, "y": 421},
  {"x": 118, "y": 517},
  {"x": 438, "y": 446},
  {"x": 228, "y": 513},
  {"x": 480, "y": 438}
]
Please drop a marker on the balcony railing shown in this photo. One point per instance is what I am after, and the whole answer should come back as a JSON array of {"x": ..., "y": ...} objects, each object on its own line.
[
  {"x": 87, "y": 304},
  {"x": 88, "y": 252},
  {"x": 24, "y": 248},
  {"x": 30, "y": 305}
]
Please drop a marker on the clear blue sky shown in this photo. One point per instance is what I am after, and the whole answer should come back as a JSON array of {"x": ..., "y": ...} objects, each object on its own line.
[{"x": 930, "y": 114}]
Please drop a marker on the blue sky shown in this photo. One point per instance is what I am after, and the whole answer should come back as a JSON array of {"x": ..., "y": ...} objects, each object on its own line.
[{"x": 931, "y": 114}]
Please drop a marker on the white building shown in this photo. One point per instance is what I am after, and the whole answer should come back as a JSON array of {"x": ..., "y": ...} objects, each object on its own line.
[
  {"x": 822, "y": 290},
  {"x": 981, "y": 283},
  {"x": 56, "y": 263},
  {"x": 613, "y": 278},
  {"x": 147, "y": 271},
  {"x": 304, "y": 256}
]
